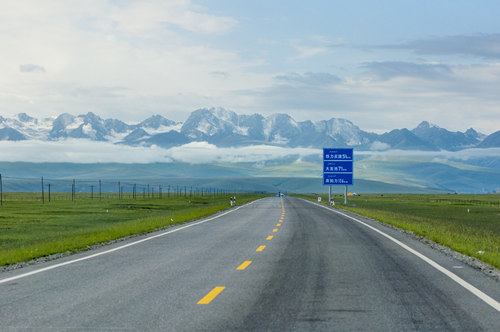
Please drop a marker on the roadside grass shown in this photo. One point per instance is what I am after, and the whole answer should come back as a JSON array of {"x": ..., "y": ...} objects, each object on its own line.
[
  {"x": 469, "y": 224},
  {"x": 30, "y": 229}
]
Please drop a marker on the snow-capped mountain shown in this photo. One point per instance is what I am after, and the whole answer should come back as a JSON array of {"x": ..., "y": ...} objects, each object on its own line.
[
  {"x": 226, "y": 128},
  {"x": 444, "y": 139},
  {"x": 22, "y": 126}
]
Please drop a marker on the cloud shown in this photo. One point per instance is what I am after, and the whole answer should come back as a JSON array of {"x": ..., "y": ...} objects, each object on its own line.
[
  {"x": 154, "y": 16},
  {"x": 31, "y": 68},
  {"x": 463, "y": 155},
  {"x": 203, "y": 152},
  {"x": 379, "y": 146},
  {"x": 391, "y": 69},
  {"x": 78, "y": 151},
  {"x": 85, "y": 151},
  {"x": 480, "y": 45},
  {"x": 312, "y": 79},
  {"x": 308, "y": 48}
]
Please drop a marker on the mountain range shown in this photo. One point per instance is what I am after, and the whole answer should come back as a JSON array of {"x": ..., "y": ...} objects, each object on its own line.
[{"x": 225, "y": 128}]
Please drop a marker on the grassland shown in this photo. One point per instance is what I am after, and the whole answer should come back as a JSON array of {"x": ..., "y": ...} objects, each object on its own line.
[
  {"x": 31, "y": 229},
  {"x": 469, "y": 224}
]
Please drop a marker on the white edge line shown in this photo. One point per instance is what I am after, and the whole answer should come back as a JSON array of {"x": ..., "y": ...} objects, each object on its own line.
[
  {"x": 484, "y": 297},
  {"x": 120, "y": 247}
]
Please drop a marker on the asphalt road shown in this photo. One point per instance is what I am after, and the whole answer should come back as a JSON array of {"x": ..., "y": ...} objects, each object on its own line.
[{"x": 273, "y": 265}]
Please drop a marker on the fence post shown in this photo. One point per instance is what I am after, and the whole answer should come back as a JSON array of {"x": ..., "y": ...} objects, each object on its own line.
[{"x": 43, "y": 193}]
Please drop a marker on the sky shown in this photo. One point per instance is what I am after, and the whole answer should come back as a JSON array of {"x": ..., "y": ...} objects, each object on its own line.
[{"x": 380, "y": 64}]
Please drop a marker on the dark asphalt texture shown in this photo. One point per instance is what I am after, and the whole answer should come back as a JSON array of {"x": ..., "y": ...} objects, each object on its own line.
[{"x": 320, "y": 272}]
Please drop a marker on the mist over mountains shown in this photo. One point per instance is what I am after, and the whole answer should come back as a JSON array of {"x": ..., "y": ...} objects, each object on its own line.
[
  {"x": 251, "y": 152},
  {"x": 225, "y": 128}
]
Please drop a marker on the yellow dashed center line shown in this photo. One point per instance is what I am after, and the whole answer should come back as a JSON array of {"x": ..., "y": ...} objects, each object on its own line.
[
  {"x": 244, "y": 265},
  {"x": 212, "y": 295},
  {"x": 217, "y": 290},
  {"x": 261, "y": 248}
]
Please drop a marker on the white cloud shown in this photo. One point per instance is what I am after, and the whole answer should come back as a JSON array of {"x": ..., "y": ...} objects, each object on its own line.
[
  {"x": 131, "y": 59},
  {"x": 84, "y": 151},
  {"x": 379, "y": 146},
  {"x": 154, "y": 16},
  {"x": 203, "y": 152},
  {"x": 309, "y": 48},
  {"x": 152, "y": 51},
  {"x": 455, "y": 97},
  {"x": 78, "y": 151},
  {"x": 464, "y": 155}
]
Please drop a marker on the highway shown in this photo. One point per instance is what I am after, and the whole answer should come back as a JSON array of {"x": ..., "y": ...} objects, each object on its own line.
[{"x": 277, "y": 264}]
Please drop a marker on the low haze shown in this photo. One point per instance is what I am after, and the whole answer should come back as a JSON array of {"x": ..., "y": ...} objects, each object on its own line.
[
  {"x": 86, "y": 151},
  {"x": 380, "y": 64}
]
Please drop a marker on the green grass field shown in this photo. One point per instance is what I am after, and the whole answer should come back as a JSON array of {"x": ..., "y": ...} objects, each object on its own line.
[
  {"x": 30, "y": 229},
  {"x": 469, "y": 224}
]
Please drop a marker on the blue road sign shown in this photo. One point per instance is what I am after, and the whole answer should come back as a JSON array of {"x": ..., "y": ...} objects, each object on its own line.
[
  {"x": 337, "y": 179},
  {"x": 337, "y": 154},
  {"x": 337, "y": 166}
]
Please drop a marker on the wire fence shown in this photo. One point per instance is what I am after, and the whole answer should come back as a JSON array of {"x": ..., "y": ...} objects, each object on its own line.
[{"x": 49, "y": 189}]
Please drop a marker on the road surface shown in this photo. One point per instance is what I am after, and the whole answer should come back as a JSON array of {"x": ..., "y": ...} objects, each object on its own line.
[{"x": 277, "y": 264}]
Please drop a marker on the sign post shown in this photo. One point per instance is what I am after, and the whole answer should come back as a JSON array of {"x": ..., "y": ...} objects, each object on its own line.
[{"x": 338, "y": 169}]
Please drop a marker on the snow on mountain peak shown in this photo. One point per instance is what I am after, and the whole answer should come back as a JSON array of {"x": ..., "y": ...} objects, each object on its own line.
[{"x": 223, "y": 127}]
